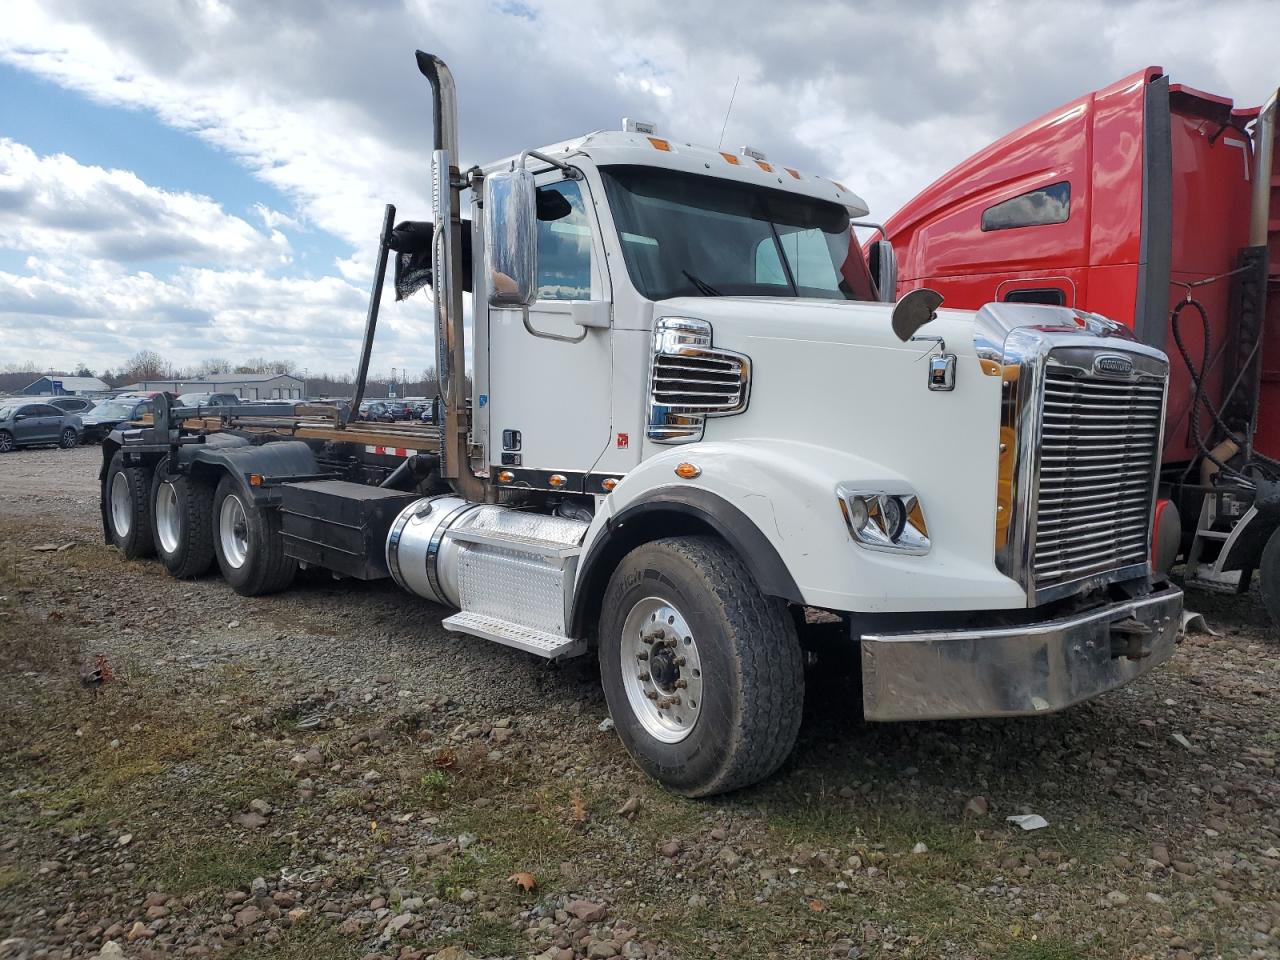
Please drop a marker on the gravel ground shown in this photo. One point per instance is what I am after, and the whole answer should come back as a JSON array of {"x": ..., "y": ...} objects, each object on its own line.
[{"x": 328, "y": 773}]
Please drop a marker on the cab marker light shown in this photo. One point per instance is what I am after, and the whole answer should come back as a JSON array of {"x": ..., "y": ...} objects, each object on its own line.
[
  {"x": 557, "y": 480},
  {"x": 795, "y": 174},
  {"x": 731, "y": 159},
  {"x": 608, "y": 483},
  {"x": 764, "y": 166},
  {"x": 506, "y": 476},
  {"x": 687, "y": 471},
  {"x": 255, "y": 479},
  {"x": 659, "y": 144}
]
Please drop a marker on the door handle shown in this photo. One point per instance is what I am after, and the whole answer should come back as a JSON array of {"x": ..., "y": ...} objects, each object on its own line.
[{"x": 524, "y": 315}]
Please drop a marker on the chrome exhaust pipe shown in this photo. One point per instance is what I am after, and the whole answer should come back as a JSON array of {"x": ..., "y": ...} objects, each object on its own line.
[{"x": 447, "y": 281}]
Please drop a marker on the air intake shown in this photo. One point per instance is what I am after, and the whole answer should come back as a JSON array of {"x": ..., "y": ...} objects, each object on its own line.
[{"x": 690, "y": 380}]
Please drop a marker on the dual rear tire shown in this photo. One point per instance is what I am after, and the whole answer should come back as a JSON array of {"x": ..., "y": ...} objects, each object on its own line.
[{"x": 190, "y": 522}]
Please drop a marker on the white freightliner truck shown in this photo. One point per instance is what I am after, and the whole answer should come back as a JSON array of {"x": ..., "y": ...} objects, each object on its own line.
[{"x": 689, "y": 420}]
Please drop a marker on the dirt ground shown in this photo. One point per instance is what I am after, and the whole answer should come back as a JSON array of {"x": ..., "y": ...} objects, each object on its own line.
[{"x": 329, "y": 774}]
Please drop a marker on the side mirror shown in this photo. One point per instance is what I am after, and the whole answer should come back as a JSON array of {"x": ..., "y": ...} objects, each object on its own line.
[
  {"x": 884, "y": 264},
  {"x": 914, "y": 310},
  {"x": 511, "y": 237},
  {"x": 19, "y": 416}
]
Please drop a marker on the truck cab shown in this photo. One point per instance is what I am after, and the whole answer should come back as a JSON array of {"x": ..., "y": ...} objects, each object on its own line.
[{"x": 691, "y": 417}]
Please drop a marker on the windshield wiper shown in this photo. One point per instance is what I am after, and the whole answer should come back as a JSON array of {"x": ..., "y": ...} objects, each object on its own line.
[{"x": 704, "y": 288}]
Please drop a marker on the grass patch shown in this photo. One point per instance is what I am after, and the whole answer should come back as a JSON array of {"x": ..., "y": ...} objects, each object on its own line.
[
  {"x": 208, "y": 866},
  {"x": 1052, "y": 949},
  {"x": 309, "y": 940},
  {"x": 11, "y": 876}
]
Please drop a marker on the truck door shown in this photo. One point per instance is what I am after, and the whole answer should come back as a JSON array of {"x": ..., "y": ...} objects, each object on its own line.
[{"x": 551, "y": 373}]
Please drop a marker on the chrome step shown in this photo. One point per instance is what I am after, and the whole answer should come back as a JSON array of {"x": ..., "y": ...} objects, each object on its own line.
[
  {"x": 541, "y": 644},
  {"x": 537, "y": 546}
]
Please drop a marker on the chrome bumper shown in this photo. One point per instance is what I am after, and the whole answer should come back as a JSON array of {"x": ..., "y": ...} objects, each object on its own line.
[{"x": 1014, "y": 671}]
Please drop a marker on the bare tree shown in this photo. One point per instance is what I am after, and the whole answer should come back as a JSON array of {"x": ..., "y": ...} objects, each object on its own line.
[{"x": 147, "y": 365}]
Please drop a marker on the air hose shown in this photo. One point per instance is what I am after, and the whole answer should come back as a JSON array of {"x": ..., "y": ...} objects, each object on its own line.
[{"x": 1257, "y": 462}]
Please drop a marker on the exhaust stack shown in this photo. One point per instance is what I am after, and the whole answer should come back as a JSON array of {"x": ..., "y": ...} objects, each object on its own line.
[{"x": 447, "y": 280}]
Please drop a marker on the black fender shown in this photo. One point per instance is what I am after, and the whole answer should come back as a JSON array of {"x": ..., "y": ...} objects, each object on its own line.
[
  {"x": 675, "y": 511},
  {"x": 276, "y": 462}
]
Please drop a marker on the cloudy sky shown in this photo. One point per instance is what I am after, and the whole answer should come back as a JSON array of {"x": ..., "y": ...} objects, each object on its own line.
[{"x": 205, "y": 178}]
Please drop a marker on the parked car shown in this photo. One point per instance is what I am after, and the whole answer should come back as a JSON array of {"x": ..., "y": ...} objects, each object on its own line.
[
  {"x": 375, "y": 410},
  {"x": 208, "y": 400},
  {"x": 109, "y": 414},
  {"x": 80, "y": 405},
  {"x": 399, "y": 410},
  {"x": 31, "y": 424}
]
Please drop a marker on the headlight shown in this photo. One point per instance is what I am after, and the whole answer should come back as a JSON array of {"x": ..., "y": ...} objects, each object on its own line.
[{"x": 890, "y": 520}]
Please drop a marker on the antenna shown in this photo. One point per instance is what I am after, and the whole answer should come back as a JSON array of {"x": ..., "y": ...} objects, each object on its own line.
[{"x": 725, "y": 125}]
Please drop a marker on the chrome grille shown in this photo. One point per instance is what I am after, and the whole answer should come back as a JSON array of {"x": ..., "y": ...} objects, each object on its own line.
[
  {"x": 710, "y": 382},
  {"x": 1097, "y": 467}
]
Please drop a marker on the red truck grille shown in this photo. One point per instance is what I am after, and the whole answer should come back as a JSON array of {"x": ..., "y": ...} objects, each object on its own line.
[{"x": 1097, "y": 467}]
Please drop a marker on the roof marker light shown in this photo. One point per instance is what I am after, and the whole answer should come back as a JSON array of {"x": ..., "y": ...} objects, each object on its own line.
[
  {"x": 795, "y": 174},
  {"x": 659, "y": 144},
  {"x": 841, "y": 186},
  {"x": 731, "y": 159},
  {"x": 764, "y": 166}
]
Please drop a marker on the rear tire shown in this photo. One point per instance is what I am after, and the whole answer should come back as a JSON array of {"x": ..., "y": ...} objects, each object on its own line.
[
  {"x": 182, "y": 522},
  {"x": 1269, "y": 576},
  {"x": 703, "y": 673},
  {"x": 248, "y": 543},
  {"x": 68, "y": 439},
  {"x": 127, "y": 507}
]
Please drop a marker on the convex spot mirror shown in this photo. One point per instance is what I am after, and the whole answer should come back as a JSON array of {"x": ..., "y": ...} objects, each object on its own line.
[
  {"x": 914, "y": 310},
  {"x": 511, "y": 237}
]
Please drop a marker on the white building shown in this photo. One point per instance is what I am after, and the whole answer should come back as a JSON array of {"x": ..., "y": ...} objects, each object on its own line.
[{"x": 246, "y": 386}]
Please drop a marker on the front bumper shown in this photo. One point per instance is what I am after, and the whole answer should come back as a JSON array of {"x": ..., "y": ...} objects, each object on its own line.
[{"x": 1017, "y": 671}]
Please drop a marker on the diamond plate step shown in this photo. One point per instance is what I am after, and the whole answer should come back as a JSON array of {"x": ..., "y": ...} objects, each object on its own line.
[
  {"x": 537, "y": 546},
  {"x": 537, "y": 642}
]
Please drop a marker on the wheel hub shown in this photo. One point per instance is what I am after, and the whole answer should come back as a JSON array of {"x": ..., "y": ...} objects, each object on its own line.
[{"x": 661, "y": 669}]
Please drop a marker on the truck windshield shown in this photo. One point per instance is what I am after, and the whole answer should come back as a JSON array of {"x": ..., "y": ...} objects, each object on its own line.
[{"x": 689, "y": 235}]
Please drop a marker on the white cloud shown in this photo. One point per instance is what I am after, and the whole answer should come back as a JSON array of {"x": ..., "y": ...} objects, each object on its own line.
[
  {"x": 56, "y": 206},
  {"x": 324, "y": 103}
]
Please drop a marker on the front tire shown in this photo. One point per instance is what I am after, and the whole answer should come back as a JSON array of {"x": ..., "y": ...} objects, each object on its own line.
[
  {"x": 248, "y": 543},
  {"x": 68, "y": 439},
  {"x": 1269, "y": 576},
  {"x": 703, "y": 673},
  {"x": 182, "y": 522},
  {"x": 6, "y": 441},
  {"x": 127, "y": 504}
]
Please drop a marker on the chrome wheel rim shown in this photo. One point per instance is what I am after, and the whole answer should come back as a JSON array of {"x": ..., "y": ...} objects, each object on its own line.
[
  {"x": 233, "y": 531},
  {"x": 168, "y": 525},
  {"x": 6, "y": 443},
  {"x": 68, "y": 439},
  {"x": 121, "y": 505},
  {"x": 661, "y": 669}
]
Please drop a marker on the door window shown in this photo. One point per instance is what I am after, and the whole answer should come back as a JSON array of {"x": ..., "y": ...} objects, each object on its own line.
[
  {"x": 48, "y": 410},
  {"x": 564, "y": 243}
]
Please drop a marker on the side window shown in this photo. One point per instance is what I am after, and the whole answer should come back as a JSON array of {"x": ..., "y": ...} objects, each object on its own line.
[
  {"x": 811, "y": 259},
  {"x": 28, "y": 412},
  {"x": 1051, "y": 296},
  {"x": 48, "y": 410},
  {"x": 142, "y": 409},
  {"x": 1051, "y": 204},
  {"x": 564, "y": 243}
]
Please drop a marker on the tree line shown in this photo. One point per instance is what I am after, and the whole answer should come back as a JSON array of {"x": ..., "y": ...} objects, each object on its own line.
[{"x": 150, "y": 365}]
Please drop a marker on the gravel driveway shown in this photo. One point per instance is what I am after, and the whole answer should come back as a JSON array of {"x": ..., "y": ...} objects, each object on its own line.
[{"x": 328, "y": 773}]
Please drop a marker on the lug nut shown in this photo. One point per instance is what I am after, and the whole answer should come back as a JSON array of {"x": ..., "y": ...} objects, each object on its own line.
[
  {"x": 652, "y": 695},
  {"x": 669, "y": 642},
  {"x": 680, "y": 661},
  {"x": 643, "y": 675},
  {"x": 642, "y": 655},
  {"x": 681, "y": 684}
]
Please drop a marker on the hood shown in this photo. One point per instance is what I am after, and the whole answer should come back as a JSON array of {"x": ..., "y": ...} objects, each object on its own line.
[{"x": 852, "y": 323}]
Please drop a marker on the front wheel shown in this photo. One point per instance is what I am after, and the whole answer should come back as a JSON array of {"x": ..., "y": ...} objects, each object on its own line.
[
  {"x": 248, "y": 543},
  {"x": 6, "y": 441},
  {"x": 1269, "y": 576},
  {"x": 68, "y": 439},
  {"x": 703, "y": 674}
]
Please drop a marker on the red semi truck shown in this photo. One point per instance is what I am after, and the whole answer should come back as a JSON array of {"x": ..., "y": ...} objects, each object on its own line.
[{"x": 1158, "y": 206}]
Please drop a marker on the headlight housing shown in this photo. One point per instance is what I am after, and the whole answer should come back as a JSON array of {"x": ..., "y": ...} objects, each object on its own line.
[{"x": 883, "y": 519}]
